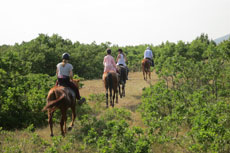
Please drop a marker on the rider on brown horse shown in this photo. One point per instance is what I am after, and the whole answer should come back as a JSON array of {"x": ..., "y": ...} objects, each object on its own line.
[
  {"x": 65, "y": 76},
  {"x": 110, "y": 78},
  {"x": 121, "y": 59},
  {"x": 109, "y": 63},
  {"x": 149, "y": 55}
]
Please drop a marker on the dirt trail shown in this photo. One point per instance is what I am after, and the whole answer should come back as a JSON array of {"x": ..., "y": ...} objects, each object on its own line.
[{"x": 133, "y": 89}]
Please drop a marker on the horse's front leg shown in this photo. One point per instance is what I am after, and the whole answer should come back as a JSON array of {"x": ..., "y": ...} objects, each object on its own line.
[
  {"x": 149, "y": 74},
  {"x": 50, "y": 121},
  {"x": 123, "y": 90},
  {"x": 63, "y": 122},
  {"x": 119, "y": 88},
  {"x": 144, "y": 74}
]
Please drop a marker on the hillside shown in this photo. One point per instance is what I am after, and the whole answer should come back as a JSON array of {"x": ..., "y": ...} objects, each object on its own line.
[{"x": 220, "y": 39}]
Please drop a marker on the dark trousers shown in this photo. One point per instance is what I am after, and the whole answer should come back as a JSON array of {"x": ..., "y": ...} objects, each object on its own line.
[
  {"x": 151, "y": 60},
  {"x": 67, "y": 83}
]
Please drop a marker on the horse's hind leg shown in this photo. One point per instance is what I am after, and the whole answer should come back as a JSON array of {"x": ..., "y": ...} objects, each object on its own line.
[
  {"x": 73, "y": 117},
  {"x": 123, "y": 90},
  {"x": 116, "y": 93},
  {"x": 110, "y": 96},
  {"x": 107, "y": 97},
  {"x": 50, "y": 121}
]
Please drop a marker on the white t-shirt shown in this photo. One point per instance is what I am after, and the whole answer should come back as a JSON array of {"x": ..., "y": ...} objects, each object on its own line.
[
  {"x": 148, "y": 54},
  {"x": 64, "y": 71},
  {"x": 121, "y": 60}
]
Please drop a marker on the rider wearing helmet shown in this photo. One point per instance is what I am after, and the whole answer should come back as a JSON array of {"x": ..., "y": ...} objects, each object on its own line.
[
  {"x": 121, "y": 59},
  {"x": 65, "y": 74},
  {"x": 149, "y": 55}
]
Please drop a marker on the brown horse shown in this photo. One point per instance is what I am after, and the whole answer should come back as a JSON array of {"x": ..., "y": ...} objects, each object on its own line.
[
  {"x": 62, "y": 98},
  {"x": 111, "y": 83},
  {"x": 146, "y": 68}
]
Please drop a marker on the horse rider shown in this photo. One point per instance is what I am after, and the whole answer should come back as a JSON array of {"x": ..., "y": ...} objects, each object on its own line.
[
  {"x": 65, "y": 74},
  {"x": 109, "y": 63},
  {"x": 121, "y": 59},
  {"x": 149, "y": 55}
]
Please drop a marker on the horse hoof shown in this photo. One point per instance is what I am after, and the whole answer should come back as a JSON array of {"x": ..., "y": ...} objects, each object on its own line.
[
  {"x": 51, "y": 135},
  {"x": 70, "y": 128}
]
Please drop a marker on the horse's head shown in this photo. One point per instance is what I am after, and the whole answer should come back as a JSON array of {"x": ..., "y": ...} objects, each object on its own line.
[{"x": 76, "y": 82}]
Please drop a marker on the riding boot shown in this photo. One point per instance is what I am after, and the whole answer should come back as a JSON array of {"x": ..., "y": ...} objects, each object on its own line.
[
  {"x": 152, "y": 63},
  {"x": 76, "y": 90},
  {"x": 80, "y": 100}
]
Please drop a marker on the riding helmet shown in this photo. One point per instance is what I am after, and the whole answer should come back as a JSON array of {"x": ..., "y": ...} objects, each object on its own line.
[{"x": 65, "y": 56}]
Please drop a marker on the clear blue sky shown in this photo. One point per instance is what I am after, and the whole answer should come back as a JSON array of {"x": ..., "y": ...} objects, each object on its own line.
[{"x": 122, "y": 22}]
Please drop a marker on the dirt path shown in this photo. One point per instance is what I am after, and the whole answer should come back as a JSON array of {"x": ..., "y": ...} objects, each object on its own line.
[{"x": 134, "y": 87}]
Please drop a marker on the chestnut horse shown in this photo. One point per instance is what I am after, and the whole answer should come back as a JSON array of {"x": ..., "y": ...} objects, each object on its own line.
[
  {"x": 122, "y": 79},
  {"x": 146, "y": 68},
  {"x": 111, "y": 83},
  {"x": 62, "y": 98}
]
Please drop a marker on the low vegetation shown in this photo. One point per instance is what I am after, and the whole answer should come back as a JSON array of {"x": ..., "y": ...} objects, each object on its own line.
[{"x": 187, "y": 110}]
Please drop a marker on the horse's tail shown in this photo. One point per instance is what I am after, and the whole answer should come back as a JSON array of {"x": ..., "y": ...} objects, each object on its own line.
[
  {"x": 53, "y": 102},
  {"x": 109, "y": 81}
]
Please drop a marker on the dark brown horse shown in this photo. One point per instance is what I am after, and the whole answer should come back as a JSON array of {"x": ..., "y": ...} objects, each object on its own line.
[
  {"x": 111, "y": 84},
  {"x": 62, "y": 98},
  {"x": 122, "y": 80},
  {"x": 146, "y": 68}
]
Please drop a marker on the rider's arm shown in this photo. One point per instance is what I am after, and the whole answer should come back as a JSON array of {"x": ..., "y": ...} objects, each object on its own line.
[
  {"x": 125, "y": 57},
  {"x": 57, "y": 72},
  {"x": 118, "y": 57},
  {"x": 104, "y": 61}
]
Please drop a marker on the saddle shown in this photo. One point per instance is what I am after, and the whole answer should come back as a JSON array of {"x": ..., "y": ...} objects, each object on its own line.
[{"x": 151, "y": 62}]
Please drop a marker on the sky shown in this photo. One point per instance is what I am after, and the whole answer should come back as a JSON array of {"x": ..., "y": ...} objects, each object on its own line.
[{"x": 121, "y": 22}]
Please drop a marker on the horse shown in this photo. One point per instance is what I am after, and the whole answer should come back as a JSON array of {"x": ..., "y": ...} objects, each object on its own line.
[
  {"x": 122, "y": 79},
  {"x": 60, "y": 97},
  {"x": 146, "y": 68},
  {"x": 111, "y": 83}
]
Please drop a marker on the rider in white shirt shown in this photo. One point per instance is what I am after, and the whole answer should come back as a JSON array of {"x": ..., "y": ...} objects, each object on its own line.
[
  {"x": 121, "y": 59},
  {"x": 149, "y": 55}
]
